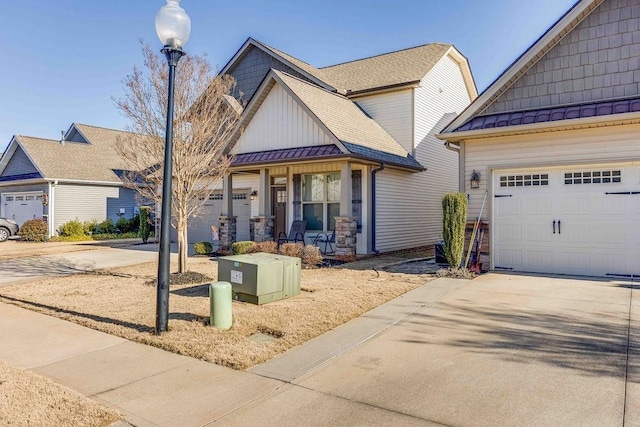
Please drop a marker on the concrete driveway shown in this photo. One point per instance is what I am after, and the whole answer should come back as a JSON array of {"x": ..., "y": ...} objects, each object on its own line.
[{"x": 502, "y": 349}]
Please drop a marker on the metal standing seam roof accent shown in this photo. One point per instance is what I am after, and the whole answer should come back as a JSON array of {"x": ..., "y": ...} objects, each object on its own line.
[
  {"x": 33, "y": 175},
  {"x": 298, "y": 153},
  {"x": 544, "y": 115}
]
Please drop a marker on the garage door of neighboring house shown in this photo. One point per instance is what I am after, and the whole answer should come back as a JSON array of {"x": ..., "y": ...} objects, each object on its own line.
[
  {"x": 577, "y": 220},
  {"x": 22, "y": 206},
  {"x": 199, "y": 229}
]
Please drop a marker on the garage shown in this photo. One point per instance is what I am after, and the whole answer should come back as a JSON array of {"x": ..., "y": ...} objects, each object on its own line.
[
  {"x": 21, "y": 206},
  {"x": 578, "y": 220},
  {"x": 199, "y": 229}
]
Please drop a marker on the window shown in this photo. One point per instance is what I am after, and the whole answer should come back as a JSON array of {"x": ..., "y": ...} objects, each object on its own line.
[
  {"x": 524, "y": 180},
  {"x": 592, "y": 177},
  {"x": 321, "y": 200}
]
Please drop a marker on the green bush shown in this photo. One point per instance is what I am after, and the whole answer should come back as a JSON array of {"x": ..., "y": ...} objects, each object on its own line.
[
  {"x": 202, "y": 248},
  {"x": 71, "y": 228},
  {"x": 90, "y": 227},
  {"x": 112, "y": 236},
  {"x": 144, "y": 228},
  {"x": 106, "y": 227},
  {"x": 34, "y": 230},
  {"x": 454, "y": 219},
  {"x": 124, "y": 225},
  {"x": 241, "y": 248}
]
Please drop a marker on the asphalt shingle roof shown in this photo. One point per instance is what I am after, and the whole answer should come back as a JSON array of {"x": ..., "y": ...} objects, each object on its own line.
[
  {"x": 95, "y": 161},
  {"x": 389, "y": 69},
  {"x": 342, "y": 117}
]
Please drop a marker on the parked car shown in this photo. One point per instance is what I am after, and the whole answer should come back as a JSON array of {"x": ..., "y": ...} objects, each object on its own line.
[{"x": 8, "y": 228}]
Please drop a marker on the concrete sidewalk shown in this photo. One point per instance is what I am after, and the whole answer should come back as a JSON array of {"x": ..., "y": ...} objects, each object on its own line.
[
  {"x": 502, "y": 349},
  {"x": 151, "y": 387}
]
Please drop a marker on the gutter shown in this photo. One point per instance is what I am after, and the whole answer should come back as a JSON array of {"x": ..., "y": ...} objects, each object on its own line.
[{"x": 373, "y": 208}]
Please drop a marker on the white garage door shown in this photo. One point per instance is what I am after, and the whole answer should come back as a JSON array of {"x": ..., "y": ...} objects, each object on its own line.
[
  {"x": 22, "y": 206},
  {"x": 199, "y": 229},
  {"x": 578, "y": 220}
]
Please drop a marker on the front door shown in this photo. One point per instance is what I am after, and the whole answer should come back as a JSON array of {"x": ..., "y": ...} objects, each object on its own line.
[{"x": 279, "y": 209}]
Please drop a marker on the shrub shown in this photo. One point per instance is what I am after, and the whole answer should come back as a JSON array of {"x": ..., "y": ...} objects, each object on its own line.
[
  {"x": 311, "y": 255},
  {"x": 90, "y": 227},
  {"x": 292, "y": 249},
  {"x": 241, "y": 248},
  {"x": 144, "y": 229},
  {"x": 113, "y": 236},
  {"x": 269, "y": 247},
  {"x": 34, "y": 230},
  {"x": 106, "y": 227},
  {"x": 126, "y": 225},
  {"x": 71, "y": 228},
  {"x": 454, "y": 218},
  {"x": 202, "y": 248}
]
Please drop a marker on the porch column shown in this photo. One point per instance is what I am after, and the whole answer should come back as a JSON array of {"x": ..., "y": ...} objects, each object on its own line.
[
  {"x": 262, "y": 225},
  {"x": 227, "y": 232},
  {"x": 345, "y": 190},
  {"x": 346, "y": 224}
]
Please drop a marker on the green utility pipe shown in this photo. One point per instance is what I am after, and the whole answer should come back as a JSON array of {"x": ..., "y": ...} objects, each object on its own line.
[{"x": 220, "y": 305}]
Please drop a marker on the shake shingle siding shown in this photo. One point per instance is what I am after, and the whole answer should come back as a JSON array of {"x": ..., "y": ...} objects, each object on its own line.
[
  {"x": 252, "y": 69},
  {"x": 19, "y": 164},
  {"x": 598, "y": 60}
]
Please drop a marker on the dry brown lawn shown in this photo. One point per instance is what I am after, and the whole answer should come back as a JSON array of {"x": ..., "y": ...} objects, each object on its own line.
[
  {"x": 120, "y": 303},
  {"x": 28, "y": 399}
]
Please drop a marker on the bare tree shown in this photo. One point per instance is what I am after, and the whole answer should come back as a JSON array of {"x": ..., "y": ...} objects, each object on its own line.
[{"x": 205, "y": 118}]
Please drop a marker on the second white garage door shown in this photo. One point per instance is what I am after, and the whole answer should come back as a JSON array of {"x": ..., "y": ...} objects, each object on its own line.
[
  {"x": 199, "y": 228},
  {"x": 578, "y": 220}
]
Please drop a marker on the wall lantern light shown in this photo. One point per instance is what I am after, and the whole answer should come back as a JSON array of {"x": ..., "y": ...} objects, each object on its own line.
[
  {"x": 475, "y": 179},
  {"x": 254, "y": 194}
]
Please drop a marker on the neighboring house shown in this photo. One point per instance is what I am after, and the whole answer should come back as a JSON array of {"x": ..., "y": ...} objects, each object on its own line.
[
  {"x": 555, "y": 140},
  {"x": 74, "y": 178},
  {"x": 350, "y": 147}
]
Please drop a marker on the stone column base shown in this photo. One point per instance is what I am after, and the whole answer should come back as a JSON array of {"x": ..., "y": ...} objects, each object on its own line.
[
  {"x": 346, "y": 229},
  {"x": 227, "y": 232},
  {"x": 261, "y": 229}
]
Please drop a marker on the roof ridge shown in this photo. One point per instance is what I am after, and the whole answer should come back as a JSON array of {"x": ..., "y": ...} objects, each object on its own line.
[
  {"x": 386, "y": 53},
  {"x": 282, "y": 51},
  {"x": 311, "y": 84},
  {"x": 101, "y": 127}
]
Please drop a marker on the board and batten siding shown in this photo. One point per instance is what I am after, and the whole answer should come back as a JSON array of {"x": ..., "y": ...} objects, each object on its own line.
[
  {"x": 393, "y": 111},
  {"x": 83, "y": 202},
  {"x": 19, "y": 164},
  {"x": 574, "y": 147},
  {"x": 281, "y": 123}
]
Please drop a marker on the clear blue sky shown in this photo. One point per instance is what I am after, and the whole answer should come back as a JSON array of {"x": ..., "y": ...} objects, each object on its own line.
[{"x": 65, "y": 59}]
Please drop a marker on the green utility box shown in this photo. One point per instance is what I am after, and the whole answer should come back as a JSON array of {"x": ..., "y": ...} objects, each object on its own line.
[{"x": 261, "y": 277}]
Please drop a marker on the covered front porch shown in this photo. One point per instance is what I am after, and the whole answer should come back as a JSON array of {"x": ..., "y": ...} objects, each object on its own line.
[{"x": 329, "y": 196}]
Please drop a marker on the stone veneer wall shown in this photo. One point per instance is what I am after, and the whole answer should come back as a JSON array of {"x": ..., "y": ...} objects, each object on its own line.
[
  {"x": 261, "y": 229},
  {"x": 227, "y": 232},
  {"x": 346, "y": 229}
]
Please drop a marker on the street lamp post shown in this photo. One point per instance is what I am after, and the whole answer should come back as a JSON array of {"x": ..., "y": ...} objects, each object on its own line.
[{"x": 173, "y": 27}]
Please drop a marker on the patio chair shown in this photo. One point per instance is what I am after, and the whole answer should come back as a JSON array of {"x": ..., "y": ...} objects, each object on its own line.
[
  {"x": 296, "y": 234},
  {"x": 328, "y": 239}
]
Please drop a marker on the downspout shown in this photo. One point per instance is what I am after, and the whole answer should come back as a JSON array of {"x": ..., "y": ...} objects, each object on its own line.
[
  {"x": 52, "y": 198},
  {"x": 373, "y": 208},
  {"x": 458, "y": 149}
]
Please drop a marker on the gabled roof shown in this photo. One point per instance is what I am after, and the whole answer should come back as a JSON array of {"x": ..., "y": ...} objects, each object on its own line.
[
  {"x": 307, "y": 70},
  {"x": 522, "y": 64},
  {"x": 393, "y": 69},
  {"x": 94, "y": 160},
  {"x": 354, "y": 132},
  {"x": 387, "y": 70}
]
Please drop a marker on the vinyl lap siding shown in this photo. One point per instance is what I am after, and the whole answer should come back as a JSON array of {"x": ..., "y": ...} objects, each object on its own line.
[
  {"x": 559, "y": 148},
  {"x": 393, "y": 112},
  {"x": 19, "y": 164},
  {"x": 281, "y": 123},
  {"x": 126, "y": 200},
  {"x": 400, "y": 213},
  {"x": 440, "y": 98},
  {"x": 82, "y": 202}
]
